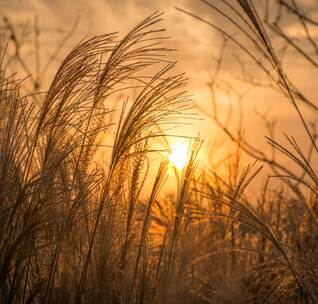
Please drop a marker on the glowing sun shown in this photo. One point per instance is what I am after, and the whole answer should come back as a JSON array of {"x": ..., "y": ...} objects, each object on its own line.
[{"x": 179, "y": 154}]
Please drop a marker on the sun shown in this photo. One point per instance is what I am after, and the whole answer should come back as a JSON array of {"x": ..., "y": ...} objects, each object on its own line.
[{"x": 179, "y": 154}]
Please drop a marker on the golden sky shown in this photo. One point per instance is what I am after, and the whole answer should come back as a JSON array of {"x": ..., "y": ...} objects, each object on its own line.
[{"x": 196, "y": 43}]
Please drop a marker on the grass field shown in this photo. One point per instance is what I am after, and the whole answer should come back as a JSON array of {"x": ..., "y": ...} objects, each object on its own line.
[{"x": 75, "y": 229}]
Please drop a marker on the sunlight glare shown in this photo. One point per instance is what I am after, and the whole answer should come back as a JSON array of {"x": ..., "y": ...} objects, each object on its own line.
[{"x": 179, "y": 154}]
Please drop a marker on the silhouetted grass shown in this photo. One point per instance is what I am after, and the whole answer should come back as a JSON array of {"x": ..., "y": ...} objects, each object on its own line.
[{"x": 75, "y": 230}]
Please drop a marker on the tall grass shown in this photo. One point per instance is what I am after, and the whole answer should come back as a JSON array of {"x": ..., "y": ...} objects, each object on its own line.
[
  {"x": 62, "y": 218},
  {"x": 284, "y": 269},
  {"x": 74, "y": 229}
]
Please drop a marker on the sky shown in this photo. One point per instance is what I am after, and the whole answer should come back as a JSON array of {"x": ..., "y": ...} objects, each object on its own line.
[
  {"x": 197, "y": 45},
  {"x": 192, "y": 40}
]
